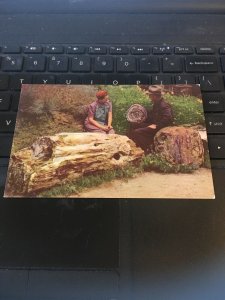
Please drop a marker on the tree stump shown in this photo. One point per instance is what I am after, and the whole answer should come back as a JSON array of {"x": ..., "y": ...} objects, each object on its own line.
[
  {"x": 180, "y": 145},
  {"x": 53, "y": 160}
]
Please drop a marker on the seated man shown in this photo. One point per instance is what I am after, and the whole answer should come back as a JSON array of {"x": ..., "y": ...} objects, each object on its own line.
[
  {"x": 160, "y": 116},
  {"x": 99, "y": 117}
]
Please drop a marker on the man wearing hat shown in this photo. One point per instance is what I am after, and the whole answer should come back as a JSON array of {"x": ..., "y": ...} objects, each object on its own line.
[
  {"x": 160, "y": 116},
  {"x": 99, "y": 117}
]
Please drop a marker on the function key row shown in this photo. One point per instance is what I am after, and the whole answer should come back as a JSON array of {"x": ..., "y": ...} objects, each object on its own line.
[
  {"x": 107, "y": 63},
  {"x": 120, "y": 50}
]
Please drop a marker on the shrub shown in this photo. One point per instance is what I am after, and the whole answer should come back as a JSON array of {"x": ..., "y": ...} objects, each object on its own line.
[{"x": 186, "y": 109}]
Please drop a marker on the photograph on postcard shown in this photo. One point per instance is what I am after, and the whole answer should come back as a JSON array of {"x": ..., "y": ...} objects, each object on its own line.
[{"x": 105, "y": 141}]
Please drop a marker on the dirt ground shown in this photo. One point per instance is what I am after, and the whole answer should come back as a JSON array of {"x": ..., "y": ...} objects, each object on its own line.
[{"x": 198, "y": 185}]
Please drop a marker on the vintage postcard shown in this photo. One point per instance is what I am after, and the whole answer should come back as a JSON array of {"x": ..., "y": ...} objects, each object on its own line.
[{"x": 104, "y": 141}]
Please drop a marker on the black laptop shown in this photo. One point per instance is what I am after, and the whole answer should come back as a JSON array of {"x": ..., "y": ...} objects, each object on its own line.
[{"x": 113, "y": 249}]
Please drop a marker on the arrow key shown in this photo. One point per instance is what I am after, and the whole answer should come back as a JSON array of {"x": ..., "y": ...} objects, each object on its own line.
[
  {"x": 7, "y": 122},
  {"x": 217, "y": 146}
]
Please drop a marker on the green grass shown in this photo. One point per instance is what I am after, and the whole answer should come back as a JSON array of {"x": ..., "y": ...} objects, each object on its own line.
[
  {"x": 157, "y": 163},
  {"x": 186, "y": 109}
]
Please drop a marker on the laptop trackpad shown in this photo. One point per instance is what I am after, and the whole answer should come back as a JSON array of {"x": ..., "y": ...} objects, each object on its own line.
[{"x": 59, "y": 233}]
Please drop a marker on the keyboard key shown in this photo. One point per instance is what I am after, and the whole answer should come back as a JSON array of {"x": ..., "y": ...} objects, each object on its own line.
[
  {"x": 58, "y": 64},
  {"x": 149, "y": 64},
  {"x": 210, "y": 83},
  {"x": 222, "y": 59},
  {"x": 54, "y": 49},
  {"x": 97, "y": 50},
  {"x": 10, "y": 49},
  {"x": 15, "y": 101},
  {"x": 6, "y": 144},
  {"x": 139, "y": 50},
  {"x": 12, "y": 63},
  {"x": 68, "y": 79},
  {"x": 184, "y": 50},
  {"x": 185, "y": 79},
  {"x": 161, "y": 79},
  {"x": 205, "y": 50},
  {"x": 138, "y": 79},
  {"x": 44, "y": 79},
  {"x": 17, "y": 80},
  {"x": 34, "y": 63},
  {"x": 201, "y": 64},
  {"x": 119, "y": 50},
  {"x": 215, "y": 123},
  {"x": 81, "y": 63},
  {"x": 75, "y": 50},
  {"x": 126, "y": 64},
  {"x": 93, "y": 79},
  {"x": 162, "y": 50},
  {"x": 172, "y": 64},
  {"x": 32, "y": 49},
  {"x": 7, "y": 122},
  {"x": 217, "y": 146},
  {"x": 213, "y": 102},
  {"x": 4, "y": 82},
  {"x": 103, "y": 64},
  {"x": 115, "y": 79},
  {"x": 4, "y": 101},
  {"x": 222, "y": 50}
]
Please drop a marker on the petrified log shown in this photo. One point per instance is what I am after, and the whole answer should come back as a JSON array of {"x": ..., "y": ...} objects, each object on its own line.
[
  {"x": 136, "y": 114},
  {"x": 180, "y": 145},
  {"x": 53, "y": 160}
]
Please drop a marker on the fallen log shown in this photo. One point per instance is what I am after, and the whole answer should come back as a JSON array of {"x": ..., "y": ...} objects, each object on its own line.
[{"x": 53, "y": 160}]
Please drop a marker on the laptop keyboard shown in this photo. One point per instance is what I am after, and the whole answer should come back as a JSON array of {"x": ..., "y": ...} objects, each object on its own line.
[{"x": 82, "y": 64}]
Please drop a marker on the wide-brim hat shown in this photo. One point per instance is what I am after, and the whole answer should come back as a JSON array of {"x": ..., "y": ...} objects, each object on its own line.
[{"x": 155, "y": 89}]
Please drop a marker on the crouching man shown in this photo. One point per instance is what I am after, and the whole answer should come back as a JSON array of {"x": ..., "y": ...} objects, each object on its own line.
[{"x": 160, "y": 116}]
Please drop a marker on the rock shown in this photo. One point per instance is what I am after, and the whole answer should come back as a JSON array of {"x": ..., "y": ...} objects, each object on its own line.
[
  {"x": 202, "y": 131},
  {"x": 180, "y": 145},
  {"x": 53, "y": 160}
]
